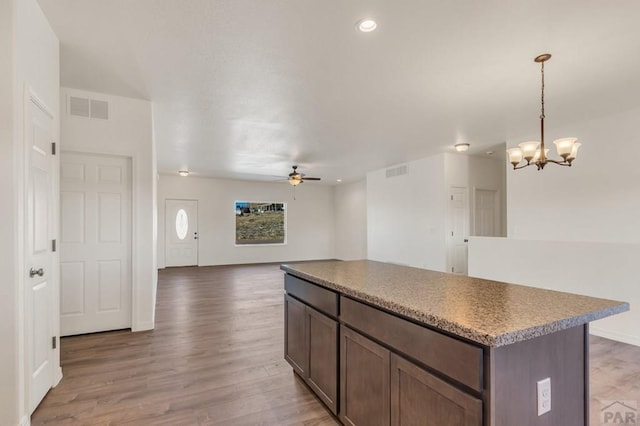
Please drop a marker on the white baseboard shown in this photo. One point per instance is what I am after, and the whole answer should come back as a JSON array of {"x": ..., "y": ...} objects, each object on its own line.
[
  {"x": 619, "y": 337},
  {"x": 57, "y": 376},
  {"x": 142, "y": 326},
  {"x": 26, "y": 421}
]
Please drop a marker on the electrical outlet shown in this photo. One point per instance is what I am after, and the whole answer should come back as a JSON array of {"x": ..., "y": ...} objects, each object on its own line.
[{"x": 544, "y": 396}]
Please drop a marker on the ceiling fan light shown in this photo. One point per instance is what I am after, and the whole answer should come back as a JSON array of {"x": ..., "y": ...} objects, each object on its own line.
[
  {"x": 529, "y": 149},
  {"x": 295, "y": 180}
]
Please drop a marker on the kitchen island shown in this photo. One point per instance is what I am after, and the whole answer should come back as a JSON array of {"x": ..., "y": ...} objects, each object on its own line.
[{"x": 384, "y": 344}]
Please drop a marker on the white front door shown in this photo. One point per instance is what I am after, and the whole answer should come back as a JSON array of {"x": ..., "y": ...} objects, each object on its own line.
[
  {"x": 95, "y": 243},
  {"x": 181, "y": 232},
  {"x": 39, "y": 256},
  {"x": 459, "y": 230}
]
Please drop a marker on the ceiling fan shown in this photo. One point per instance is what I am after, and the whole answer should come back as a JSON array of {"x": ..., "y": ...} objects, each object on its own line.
[{"x": 296, "y": 178}]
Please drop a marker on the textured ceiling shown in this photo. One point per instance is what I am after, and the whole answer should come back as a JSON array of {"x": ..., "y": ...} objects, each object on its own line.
[{"x": 246, "y": 88}]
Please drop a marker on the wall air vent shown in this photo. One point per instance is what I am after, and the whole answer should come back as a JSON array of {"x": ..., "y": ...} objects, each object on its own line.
[
  {"x": 89, "y": 108},
  {"x": 79, "y": 106},
  {"x": 397, "y": 171},
  {"x": 99, "y": 109}
]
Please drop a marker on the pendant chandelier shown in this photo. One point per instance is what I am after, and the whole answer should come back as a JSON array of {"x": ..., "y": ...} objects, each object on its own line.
[{"x": 533, "y": 152}]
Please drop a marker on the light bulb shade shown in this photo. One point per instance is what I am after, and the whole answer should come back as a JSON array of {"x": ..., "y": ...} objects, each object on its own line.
[
  {"x": 515, "y": 155},
  {"x": 565, "y": 146},
  {"x": 529, "y": 149},
  {"x": 574, "y": 151},
  {"x": 536, "y": 157},
  {"x": 295, "y": 181}
]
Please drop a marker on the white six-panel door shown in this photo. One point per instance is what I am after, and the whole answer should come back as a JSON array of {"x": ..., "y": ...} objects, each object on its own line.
[
  {"x": 95, "y": 243},
  {"x": 39, "y": 258},
  {"x": 181, "y": 232},
  {"x": 459, "y": 230}
]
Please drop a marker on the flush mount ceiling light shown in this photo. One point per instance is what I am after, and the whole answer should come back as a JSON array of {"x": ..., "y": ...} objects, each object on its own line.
[
  {"x": 534, "y": 152},
  {"x": 461, "y": 147},
  {"x": 183, "y": 173},
  {"x": 366, "y": 25}
]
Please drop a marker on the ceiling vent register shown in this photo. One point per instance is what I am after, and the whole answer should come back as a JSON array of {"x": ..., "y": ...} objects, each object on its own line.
[
  {"x": 89, "y": 108},
  {"x": 397, "y": 171}
]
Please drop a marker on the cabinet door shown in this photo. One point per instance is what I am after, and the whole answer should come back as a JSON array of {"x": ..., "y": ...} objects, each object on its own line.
[
  {"x": 295, "y": 335},
  {"x": 323, "y": 357},
  {"x": 419, "y": 398},
  {"x": 364, "y": 380}
]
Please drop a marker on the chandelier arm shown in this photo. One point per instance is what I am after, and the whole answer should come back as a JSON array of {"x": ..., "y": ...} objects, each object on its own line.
[
  {"x": 516, "y": 167},
  {"x": 560, "y": 163}
]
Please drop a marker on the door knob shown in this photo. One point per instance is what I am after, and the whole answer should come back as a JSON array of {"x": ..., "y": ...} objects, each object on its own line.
[
  {"x": 33, "y": 272},
  {"x": 466, "y": 241}
]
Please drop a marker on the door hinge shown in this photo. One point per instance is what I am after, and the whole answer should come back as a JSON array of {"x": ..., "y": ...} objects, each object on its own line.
[
  {"x": 53, "y": 245},
  {"x": 54, "y": 342},
  {"x": 452, "y": 269},
  {"x": 452, "y": 198},
  {"x": 53, "y": 148},
  {"x": 452, "y": 233}
]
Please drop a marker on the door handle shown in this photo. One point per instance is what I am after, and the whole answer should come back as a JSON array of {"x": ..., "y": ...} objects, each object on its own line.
[
  {"x": 33, "y": 272},
  {"x": 466, "y": 241}
]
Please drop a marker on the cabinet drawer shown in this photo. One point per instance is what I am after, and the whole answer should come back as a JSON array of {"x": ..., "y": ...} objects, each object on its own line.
[
  {"x": 454, "y": 358},
  {"x": 320, "y": 298}
]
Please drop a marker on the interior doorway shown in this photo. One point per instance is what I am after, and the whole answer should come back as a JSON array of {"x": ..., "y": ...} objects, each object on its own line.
[
  {"x": 486, "y": 213},
  {"x": 458, "y": 233},
  {"x": 95, "y": 243},
  {"x": 181, "y": 233}
]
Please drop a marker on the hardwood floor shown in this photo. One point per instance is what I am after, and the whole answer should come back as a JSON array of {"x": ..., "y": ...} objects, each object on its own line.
[{"x": 216, "y": 357}]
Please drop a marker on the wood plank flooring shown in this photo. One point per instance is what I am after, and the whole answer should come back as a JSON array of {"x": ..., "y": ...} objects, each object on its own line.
[{"x": 216, "y": 358}]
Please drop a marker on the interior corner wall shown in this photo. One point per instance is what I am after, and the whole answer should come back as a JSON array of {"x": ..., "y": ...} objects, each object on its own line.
[
  {"x": 350, "y": 216},
  {"x": 127, "y": 132},
  {"x": 406, "y": 215},
  {"x": 310, "y": 222}
]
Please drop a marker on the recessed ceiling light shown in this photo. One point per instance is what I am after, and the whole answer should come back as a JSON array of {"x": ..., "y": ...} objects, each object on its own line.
[
  {"x": 338, "y": 180},
  {"x": 183, "y": 173},
  {"x": 366, "y": 25},
  {"x": 490, "y": 152},
  {"x": 461, "y": 147}
]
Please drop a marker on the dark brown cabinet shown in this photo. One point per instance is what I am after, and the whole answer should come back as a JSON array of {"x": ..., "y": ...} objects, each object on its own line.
[
  {"x": 364, "y": 381},
  {"x": 421, "y": 399},
  {"x": 311, "y": 347},
  {"x": 323, "y": 357},
  {"x": 295, "y": 335}
]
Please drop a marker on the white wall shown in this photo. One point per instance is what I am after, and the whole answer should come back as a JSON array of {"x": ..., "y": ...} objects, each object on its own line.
[
  {"x": 586, "y": 216},
  {"x": 9, "y": 370},
  {"x": 597, "y": 199},
  {"x": 29, "y": 57},
  {"x": 350, "y": 217},
  {"x": 310, "y": 225},
  {"x": 602, "y": 270},
  {"x": 406, "y": 215},
  {"x": 128, "y": 132}
]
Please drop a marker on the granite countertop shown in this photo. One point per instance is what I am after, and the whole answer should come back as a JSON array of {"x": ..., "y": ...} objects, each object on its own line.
[{"x": 488, "y": 312}]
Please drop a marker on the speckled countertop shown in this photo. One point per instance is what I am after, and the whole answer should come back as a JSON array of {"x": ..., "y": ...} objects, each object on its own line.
[{"x": 487, "y": 312}]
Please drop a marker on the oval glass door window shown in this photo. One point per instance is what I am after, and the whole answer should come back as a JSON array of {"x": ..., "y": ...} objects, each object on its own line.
[{"x": 182, "y": 224}]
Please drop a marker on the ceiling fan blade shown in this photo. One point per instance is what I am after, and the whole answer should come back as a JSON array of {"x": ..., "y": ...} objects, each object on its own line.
[{"x": 310, "y": 178}]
